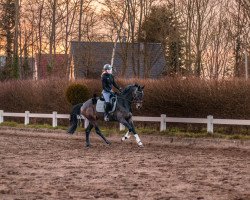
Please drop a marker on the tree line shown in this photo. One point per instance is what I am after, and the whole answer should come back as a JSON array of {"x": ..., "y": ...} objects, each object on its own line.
[{"x": 202, "y": 38}]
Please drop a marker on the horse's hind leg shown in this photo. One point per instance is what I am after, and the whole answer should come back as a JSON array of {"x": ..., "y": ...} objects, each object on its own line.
[
  {"x": 98, "y": 132},
  {"x": 87, "y": 131}
]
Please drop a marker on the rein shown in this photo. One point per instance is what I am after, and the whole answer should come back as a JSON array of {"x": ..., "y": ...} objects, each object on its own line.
[
  {"x": 133, "y": 101},
  {"x": 125, "y": 99}
]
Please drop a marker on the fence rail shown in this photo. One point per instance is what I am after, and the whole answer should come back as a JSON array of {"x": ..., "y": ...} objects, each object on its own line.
[{"x": 163, "y": 119}]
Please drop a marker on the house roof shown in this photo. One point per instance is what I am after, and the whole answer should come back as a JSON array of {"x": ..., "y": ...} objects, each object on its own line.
[{"x": 89, "y": 58}]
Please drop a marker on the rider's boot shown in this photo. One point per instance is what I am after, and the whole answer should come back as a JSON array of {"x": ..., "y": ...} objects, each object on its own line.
[{"x": 107, "y": 109}]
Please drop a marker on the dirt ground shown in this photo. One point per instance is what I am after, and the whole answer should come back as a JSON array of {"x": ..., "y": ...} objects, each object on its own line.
[{"x": 38, "y": 164}]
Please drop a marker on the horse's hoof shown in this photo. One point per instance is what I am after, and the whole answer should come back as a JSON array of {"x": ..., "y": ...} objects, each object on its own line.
[
  {"x": 124, "y": 138},
  {"x": 140, "y": 144},
  {"x": 108, "y": 143},
  {"x": 88, "y": 145},
  {"x": 70, "y": 133}
]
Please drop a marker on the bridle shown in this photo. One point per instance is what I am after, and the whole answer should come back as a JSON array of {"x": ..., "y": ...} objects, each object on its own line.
[{"x": 135, "y": 98}]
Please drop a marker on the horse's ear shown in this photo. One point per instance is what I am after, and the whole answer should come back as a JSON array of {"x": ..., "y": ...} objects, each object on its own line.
[{"x": 142, "y": 87}]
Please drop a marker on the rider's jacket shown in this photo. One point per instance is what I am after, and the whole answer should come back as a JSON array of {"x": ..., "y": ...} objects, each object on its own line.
[{"x": 108, "y": 81}]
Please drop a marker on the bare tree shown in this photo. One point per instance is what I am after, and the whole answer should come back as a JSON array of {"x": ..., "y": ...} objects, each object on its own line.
[
  {"x": 216, "y": 32},
  {"x": 39, "y": 34},
  {"x": 186, "y": 9},
  {"x": 15, "y": 63},
  {"x": 117, "y": 23},
  {"x": 219, "y": 48},
  {"x": 52, "y": 43},
  {"x": 80, "y": 21},
  {"x": 7, "y": 26}
]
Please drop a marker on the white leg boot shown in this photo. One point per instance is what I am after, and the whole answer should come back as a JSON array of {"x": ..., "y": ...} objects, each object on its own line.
[
  {"x": 126, "y": 136},
  {"x": 138, "y": 140}
]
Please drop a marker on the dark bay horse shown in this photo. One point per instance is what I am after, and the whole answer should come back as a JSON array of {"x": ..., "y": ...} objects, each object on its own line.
[{"x": 123, "y": 113}]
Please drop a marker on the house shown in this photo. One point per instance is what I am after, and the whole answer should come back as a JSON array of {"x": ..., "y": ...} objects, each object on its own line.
[
  {"x": 47, "y": 66},
  {"x": 88, "y": 58}
]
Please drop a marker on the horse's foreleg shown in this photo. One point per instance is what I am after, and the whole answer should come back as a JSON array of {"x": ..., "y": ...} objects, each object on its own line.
[
  {"x": 87, "y": 131},
  {"x": 98, "y": 132},
  {"x": 126, "y": 136},
  {"x": 137, "y": 138},
  {"x": 130, "y": 125}
]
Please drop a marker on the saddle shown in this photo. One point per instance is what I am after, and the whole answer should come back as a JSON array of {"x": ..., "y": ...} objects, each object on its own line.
[{"x": 101, "y": 102}]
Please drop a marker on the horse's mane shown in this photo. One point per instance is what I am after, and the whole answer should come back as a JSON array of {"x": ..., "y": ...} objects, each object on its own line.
[{"x": 127, "y": 88}]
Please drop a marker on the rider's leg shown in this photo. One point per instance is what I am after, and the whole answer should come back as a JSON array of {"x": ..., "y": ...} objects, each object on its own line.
[
  {"x": 107, "y": 105},
  {"x": 107, "y": 108}
]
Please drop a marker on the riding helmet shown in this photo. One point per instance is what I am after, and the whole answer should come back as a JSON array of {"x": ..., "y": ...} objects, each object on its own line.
[{"x": 107, "y": 67}]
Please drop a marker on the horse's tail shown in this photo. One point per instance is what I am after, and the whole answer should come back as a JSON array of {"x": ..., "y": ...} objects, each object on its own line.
[
  {"x": 94, "y": 99},
  {"x": 76, "y": 110}
]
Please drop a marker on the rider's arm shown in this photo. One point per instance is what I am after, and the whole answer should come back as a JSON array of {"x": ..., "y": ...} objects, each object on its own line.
[{"x": 115, "y": 85}]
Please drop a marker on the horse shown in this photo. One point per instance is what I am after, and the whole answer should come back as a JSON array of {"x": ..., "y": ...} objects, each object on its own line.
[{"x": 132, "y": 94}]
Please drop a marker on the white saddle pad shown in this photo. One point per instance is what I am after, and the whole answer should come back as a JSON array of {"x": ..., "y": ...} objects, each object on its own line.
[{"x": 100, "y": 106}]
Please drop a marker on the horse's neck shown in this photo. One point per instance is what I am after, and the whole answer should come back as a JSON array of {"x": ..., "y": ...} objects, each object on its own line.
[
  {"x": 125, "y": 101},
  {"x": 128, "y": 95}
]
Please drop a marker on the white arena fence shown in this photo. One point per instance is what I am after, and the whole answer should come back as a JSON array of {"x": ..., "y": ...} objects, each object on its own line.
[{"x": 163, "y": 119}]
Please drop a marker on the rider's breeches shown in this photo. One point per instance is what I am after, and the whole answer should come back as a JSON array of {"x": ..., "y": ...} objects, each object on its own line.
[{"x": 106, "y": 95}]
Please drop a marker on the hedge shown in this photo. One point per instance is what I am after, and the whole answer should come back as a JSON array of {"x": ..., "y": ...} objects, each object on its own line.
[{"x": 174, "y": 97}]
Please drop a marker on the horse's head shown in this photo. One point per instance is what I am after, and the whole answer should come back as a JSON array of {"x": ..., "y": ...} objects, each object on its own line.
[
  {"x": 134, "y": 94},
  {"x": 138, "y": 95}
]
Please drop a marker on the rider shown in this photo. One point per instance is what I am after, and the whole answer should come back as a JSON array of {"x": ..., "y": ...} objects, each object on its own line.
[{"x": 107, "y": 82}]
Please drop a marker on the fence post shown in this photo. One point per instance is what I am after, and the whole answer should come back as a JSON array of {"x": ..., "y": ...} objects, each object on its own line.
[
  {"x": 210, "y": 126},
  {"x": 122, "y": 127},
  {"x": 1, "y": 116},
  {"x": 54, "y": 119},
  {"x": 27, "y": 118},
  {"x": 163, "y": 123}
]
